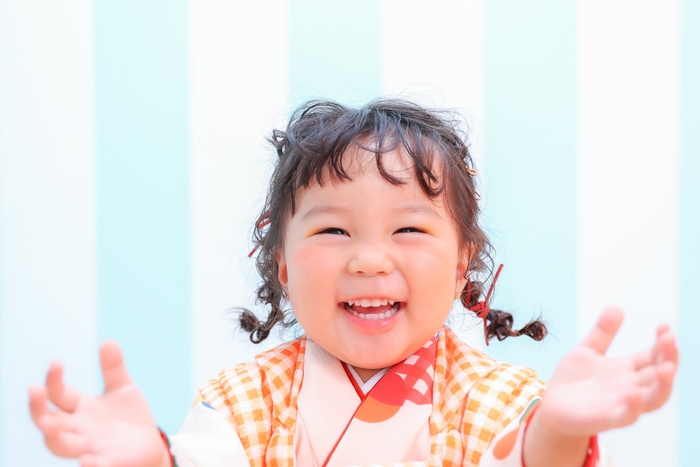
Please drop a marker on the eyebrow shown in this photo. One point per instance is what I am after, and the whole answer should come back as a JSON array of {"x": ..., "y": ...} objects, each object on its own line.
[
  {"x": 322, "y": 209},
  {"x": 405, "y": 209},
  {"x": 417, "y": 208}
]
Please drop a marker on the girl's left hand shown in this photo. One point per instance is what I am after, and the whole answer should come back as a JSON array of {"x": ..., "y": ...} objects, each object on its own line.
[{"x": 590, "y": 392}]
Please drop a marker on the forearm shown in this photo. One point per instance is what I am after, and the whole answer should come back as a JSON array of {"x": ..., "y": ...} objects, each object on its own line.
[{"x": 544, "y": 447}]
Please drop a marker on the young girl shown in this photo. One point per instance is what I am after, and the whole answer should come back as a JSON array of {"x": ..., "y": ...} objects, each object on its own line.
[{"x": 369, "y": 234}]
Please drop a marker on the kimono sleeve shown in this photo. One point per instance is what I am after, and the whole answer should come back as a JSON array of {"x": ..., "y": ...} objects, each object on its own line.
[{"x": 207, "y": 439}]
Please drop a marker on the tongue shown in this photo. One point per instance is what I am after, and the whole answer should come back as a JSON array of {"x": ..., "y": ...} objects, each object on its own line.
[{"x": 368, "y": 310}]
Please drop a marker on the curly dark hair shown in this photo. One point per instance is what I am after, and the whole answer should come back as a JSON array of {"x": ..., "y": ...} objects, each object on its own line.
[{"x": 318, "y": 135}]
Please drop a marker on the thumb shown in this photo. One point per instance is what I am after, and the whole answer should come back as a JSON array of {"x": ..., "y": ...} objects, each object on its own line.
[
  {"x": 113, "y": 369},
  {"x": 602, "y": 334}
]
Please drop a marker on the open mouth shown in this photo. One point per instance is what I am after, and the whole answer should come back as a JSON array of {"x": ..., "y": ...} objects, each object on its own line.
[{"x": 372, "y": 309}]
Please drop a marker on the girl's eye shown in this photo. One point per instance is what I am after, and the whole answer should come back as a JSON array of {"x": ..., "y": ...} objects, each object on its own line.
[
  {"x": 410, "y": 230},
  {"x": 333, "y": 231}
]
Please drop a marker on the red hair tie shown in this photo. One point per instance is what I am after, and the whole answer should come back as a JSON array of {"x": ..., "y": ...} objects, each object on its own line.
[
  {"x": 482, "y": 308},
  {"x": 259, "y": 224}
]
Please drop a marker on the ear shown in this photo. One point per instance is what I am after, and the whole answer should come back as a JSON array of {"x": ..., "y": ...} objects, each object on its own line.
[
  {"x": 461, "y": 271},
  {"x": 282, "y": 269}
]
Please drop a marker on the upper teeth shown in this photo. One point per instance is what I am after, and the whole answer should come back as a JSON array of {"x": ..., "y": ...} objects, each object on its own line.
[{"x": 367, "y": 302}]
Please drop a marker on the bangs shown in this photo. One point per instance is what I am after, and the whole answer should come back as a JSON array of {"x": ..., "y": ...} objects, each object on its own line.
[{"x": 323, "y": 134}]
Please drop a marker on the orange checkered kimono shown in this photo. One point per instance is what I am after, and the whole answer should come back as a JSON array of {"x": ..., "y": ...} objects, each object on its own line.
[{"x": 446, "y": 405}]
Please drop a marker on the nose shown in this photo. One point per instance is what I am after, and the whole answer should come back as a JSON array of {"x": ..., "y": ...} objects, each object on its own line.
[{"x": 370, "y": 259}]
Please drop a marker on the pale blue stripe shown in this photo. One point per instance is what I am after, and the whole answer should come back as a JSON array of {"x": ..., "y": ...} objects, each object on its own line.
[
  {"x": 335, "y": 50},
  {"x": 2, "y": 420},
  {"x": 46, "y": 211},
  {"x": 689, "y": 272},
  {"x": 143, "y": 196},
  {"x": 530, "y": 170}
]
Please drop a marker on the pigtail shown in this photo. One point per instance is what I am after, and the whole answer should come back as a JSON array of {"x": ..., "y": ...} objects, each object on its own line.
[
  {"x": 259, "y": 330},
  {"x": 498, "y": 323},
  {"x": 270, "y": 291}
]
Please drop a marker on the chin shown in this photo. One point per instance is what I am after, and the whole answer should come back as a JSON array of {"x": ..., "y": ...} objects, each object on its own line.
[{"x": 377, "y": 360}]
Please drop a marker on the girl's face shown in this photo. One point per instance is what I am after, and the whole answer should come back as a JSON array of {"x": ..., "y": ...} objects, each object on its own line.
[{"x": 371, "y": 269}]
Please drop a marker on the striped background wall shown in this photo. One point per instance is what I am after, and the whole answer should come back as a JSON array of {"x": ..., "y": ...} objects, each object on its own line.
[{"x": 133, "y": 162}]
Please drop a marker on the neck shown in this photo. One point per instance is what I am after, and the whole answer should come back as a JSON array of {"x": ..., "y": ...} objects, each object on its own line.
[{"x": 365, "y": 373}]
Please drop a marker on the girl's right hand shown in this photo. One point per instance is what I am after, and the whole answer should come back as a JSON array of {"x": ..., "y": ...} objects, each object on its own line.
[{"x": 115, "y": 429}]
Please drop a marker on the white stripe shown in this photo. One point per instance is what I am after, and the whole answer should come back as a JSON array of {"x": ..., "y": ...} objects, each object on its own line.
[
  {"x": 238, "y": 89},
  {"x": 47, "y": 209},
  {"x": 436, "y": 55},
  {"x": 628, "y": 77}
]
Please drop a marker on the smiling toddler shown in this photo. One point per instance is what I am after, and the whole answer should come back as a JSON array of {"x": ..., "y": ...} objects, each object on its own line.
[{"x": 369, "y": 234}]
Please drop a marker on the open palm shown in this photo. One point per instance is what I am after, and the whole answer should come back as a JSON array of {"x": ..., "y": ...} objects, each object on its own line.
[
  {"x": 115, "y": 429},
  {"x": 590, "y": 392}
]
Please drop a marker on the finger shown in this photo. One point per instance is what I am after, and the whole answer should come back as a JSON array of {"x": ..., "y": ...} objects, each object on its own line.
[
  {"x": 38, "y": 405},
  {"x": 58, "y": 421},
  {"x": 604, "y": 331},
  {"x": 666, "y": 347},
  {"x": 646, "y": 376},
  {"x": 627, "y": 411},
  {"x": 657, "y": 393},
  {"x": 62, "y": 396},
  {"x": 113, "y": 369},
  {"x": 61, "y": 442},
  {"x": 39, "y": 409},
  {"x": 91, "y": 460},
  {"x": 644, "y": 358}
]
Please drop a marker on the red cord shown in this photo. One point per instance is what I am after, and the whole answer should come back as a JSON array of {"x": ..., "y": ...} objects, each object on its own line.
[
  {"x": 482, "y": 308},
  {"x": 264, "y": 221}
]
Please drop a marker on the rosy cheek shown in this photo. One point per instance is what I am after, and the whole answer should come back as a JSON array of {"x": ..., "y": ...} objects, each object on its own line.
[
  {"x": 310, "y": 258},
  {"x": 421, "y": 258}
]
